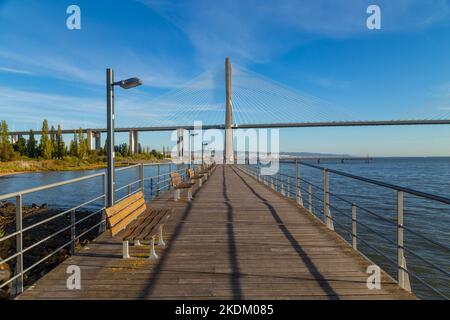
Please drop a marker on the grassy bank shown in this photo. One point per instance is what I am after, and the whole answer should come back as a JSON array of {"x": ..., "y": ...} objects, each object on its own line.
[
  {"x": 66, "y": 164},
  {"x": 21, "y": 166}
]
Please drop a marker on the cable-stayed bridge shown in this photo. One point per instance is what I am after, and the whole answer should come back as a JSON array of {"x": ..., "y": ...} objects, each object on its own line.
[
  {"x": 253, "y": 101},
  {"x": 237, "y": 233}
]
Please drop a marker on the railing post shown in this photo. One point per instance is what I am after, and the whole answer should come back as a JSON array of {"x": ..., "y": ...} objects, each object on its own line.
[
  {"x": 403, "y": 277},
  {"x": 102, "y": 227},
  {"x": 157, "y": 184},
  {"x": 354, "y": 228},
  {"x": 310, "y": 207},
  {"x": 72, "y": 232},
  {"x": 151, "y": 188},
  {"x": 141, "y": 177},
  {"x": 170, "y": 171},
  {"x": 297, "y": 177},
  {"x": 326, "y": 201},
  {"x": 288, "y": 183},
  {"x": 18, "y": 283},
  {"x": 282, "y": 189}
]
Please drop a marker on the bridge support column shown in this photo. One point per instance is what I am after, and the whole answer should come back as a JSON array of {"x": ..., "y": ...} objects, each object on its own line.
[
  {"x": 180, "y": 144},
  {"x": 134, "y": 141},
  {"x": 98, "y": 140},
  {"x": 13, "y": 138},
  {"x": 90, "y": 140}
]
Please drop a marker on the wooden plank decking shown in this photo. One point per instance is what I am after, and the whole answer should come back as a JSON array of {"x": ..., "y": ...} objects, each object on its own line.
[{"x": 236, "y": 240}]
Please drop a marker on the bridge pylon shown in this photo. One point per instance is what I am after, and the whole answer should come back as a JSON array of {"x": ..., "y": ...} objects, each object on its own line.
[{"x": 228, "y": 154}]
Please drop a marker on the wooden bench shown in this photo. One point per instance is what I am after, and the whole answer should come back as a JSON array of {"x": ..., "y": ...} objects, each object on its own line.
[
  {"x": 195, "y": 176},
  {"x": 206, "y": 170},
  {"x": 179, "y": 185},
  {"x": 136, "y": 222}
]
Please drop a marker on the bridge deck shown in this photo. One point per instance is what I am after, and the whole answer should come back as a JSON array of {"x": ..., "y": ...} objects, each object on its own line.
[{"x": 237, "y": 239}]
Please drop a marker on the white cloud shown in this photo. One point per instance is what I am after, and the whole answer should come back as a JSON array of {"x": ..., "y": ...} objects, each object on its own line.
[
  {"x": 13, "y": 70},
  {"x": 255, "y": 31}
]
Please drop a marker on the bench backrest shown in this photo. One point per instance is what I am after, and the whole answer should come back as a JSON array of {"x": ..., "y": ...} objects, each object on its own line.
[
  {"x": 175, "y": 178},
  {"x": 191, "y": 173},
  {"x": 125, "y": 211}
]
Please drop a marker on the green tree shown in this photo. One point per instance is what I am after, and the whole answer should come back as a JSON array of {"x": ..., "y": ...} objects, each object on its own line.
[
  {"x": 82, "y": 145},
  {"x": 21, "y": 146},
  {"x": 73, "y": 149},
  {"x": 45, "y": 146},
  {"x": 31, "y": 146},
  {"x": 53, "y": 141},
  {"x": 6, "y": 149},
  {"x": 4, "y": 136},
  {"x": 60, "y": 146}
]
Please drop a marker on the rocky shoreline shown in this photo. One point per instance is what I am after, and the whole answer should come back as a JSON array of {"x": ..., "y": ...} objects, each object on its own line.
[{"x": 33, "y": 214}]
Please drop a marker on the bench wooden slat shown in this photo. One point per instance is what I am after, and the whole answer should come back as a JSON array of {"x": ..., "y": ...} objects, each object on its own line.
[
  {"x": 193, "y": 175},
  {"x": 150, "y": 228},
  {"x": 137, "y": 205},
  {"x": 149, "y": 231},
  {"x": 184, "y": 185},
  {"x": 125, "y": 221},
  {"x": 111, "y": 211},
  {"x": 136, "y": 227}
]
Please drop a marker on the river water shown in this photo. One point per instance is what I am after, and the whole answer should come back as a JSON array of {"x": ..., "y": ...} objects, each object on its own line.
[
  {"x": 427, "y": 218},
  {"x": 422, "y": 217}
]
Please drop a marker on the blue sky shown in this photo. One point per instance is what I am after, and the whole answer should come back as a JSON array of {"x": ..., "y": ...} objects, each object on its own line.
[{"x": 322, "y": 48}]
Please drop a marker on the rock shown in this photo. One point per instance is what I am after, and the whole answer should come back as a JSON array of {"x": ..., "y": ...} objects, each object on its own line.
[
  {"x": 44, "y": 205},
  {"x": 34, "y": 206},
  {"x": 5, "y": 272},
  {"x": 5, "y": 275}
]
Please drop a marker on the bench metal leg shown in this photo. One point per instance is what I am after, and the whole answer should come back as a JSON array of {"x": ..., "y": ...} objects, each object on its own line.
[
  {"x": 176, "y": 194},
  {"x": 153, "y": 255},
  {"x": 200, "y": 182},
  {"x": 137, "y": 243},
  {"x": 125, "y": 251},
  {"x": 189, "y": 196},
  {"x": 161, "y": 242}
]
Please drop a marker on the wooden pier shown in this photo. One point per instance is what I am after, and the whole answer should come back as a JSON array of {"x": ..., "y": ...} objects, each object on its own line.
[{"x": 237, "y": 239}]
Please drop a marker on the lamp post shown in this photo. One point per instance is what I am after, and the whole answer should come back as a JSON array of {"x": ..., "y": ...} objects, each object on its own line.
[
  {"x": 204, "y": 144},
  {"x": 190, "y": 152},
  {"x": 125, "y": 84}
]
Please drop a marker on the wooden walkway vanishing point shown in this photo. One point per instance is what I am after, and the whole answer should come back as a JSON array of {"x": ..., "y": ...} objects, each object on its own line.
[{"x": 237, "y": 239}]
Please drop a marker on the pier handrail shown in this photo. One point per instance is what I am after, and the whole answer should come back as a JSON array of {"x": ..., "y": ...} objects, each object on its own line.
[
  {"x": 381, "y": 183},
  {"x": 289, "y": 185},
  {"x": 17, "y": 280},
  {"x": 158, "y": 183}
]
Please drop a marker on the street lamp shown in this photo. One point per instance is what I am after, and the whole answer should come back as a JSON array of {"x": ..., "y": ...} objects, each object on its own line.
[
  {"x": 204, "y": 144},
  {"x": 190, "y": 152},
  {"x": 125, "y": 84}
]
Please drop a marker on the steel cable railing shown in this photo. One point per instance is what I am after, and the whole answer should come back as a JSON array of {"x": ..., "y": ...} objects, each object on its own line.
[
  {"x": 159, "y": 181},
  {"x": 296, "y": 186}
]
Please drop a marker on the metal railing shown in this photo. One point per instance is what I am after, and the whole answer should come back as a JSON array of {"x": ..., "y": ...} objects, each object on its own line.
[
  {"x": 294, "y": 187},
  {"x": 157, "y": 182},
  {"x": 17, "y": 280}
]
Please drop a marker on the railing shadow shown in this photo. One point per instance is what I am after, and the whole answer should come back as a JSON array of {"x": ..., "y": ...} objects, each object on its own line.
[
  {"x": 323, "y": 283},
  {"x": 235, "y": 275}
]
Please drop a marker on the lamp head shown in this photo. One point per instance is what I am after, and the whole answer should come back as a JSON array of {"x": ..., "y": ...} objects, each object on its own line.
[{"x": 130, "y": 83}]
